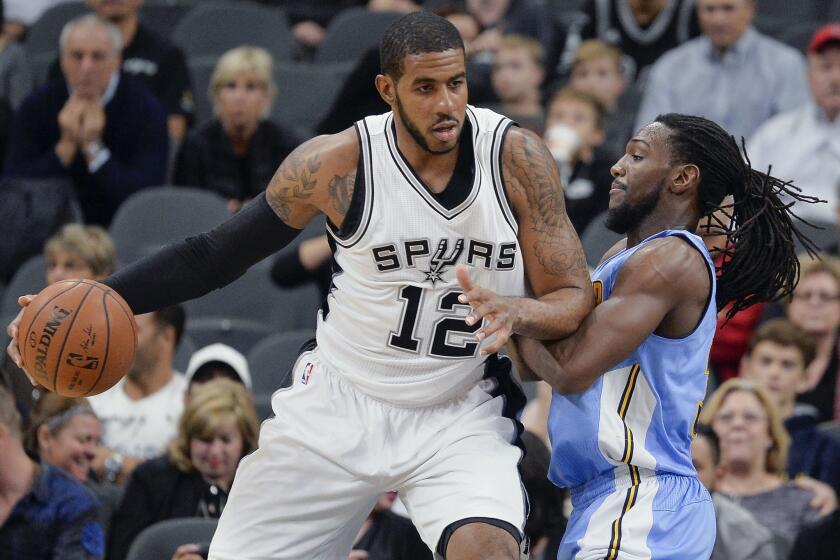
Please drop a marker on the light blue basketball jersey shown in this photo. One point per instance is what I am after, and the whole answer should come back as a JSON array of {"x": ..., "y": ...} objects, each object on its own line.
[{"x": 641, "y": 414}]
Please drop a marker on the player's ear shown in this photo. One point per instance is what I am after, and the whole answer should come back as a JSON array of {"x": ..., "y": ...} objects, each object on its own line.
[
  {"x": 387, "y": 88},
  {"x": 684, "y": 178}
]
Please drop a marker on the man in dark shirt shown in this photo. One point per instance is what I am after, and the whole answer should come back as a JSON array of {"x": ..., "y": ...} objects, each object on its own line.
[
  {"x": 107, "y": 133},
  {"x": 151, "y": 59},
  {"x": 44, "y": 513}
]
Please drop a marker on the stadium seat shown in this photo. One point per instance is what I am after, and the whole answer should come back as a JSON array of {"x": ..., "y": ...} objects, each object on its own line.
[
  {"x": 43, "y": 36},
  {"x": 30, "y": 278},
  {"x": 305, "y": 92},
  {"x": 201, "y": 69},
  {"x": 158, "y": 216},
  {"x": 798, "y": 35},
  {"x": 159, "y": 541},
  {"x": 253, "y": 296},
  {"x": 240, "y": 334},
  {"x": 352, "y": 33},
  {"x": 272, "y": 358},
  {"x": 823, "y": 234},
  {"x": 799, "y": 11},
  {"x": 215, "y": 28},
  {"x": 597, "y": 239}
]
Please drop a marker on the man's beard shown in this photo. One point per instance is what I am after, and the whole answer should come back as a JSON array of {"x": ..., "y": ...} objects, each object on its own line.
[
  {"x": 416, "y": 134},
  {"x": 626, "y": 217}
]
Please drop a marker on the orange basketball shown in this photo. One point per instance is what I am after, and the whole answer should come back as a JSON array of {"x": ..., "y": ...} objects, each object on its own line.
[{"x": 77, "y": 338}]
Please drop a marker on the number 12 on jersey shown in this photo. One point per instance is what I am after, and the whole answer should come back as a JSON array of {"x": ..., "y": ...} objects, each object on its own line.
[{"x": 442, "y": 346}]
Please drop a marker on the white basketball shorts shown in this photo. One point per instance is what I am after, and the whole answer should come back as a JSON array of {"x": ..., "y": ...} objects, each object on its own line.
[{"x": 331, "y": 450}]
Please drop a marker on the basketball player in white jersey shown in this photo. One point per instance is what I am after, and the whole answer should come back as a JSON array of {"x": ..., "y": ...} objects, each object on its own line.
[{"x": 399, "y": 391}]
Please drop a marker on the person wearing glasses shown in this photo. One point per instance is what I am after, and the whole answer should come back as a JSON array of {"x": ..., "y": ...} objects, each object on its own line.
[{"x": 815, "y": 308}]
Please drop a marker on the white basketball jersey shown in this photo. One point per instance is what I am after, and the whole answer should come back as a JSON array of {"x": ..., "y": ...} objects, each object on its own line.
[{"x": 392, "y": 323}]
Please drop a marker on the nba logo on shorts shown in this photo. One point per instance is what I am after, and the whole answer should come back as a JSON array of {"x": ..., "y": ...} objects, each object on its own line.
[{"x": 307, "y": 371}]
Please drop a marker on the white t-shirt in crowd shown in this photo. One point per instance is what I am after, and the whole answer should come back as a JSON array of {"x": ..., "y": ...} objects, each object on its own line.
[{"x": 140, "y": 428}]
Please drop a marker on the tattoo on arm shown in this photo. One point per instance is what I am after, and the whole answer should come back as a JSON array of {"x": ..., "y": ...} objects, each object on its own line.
[
  {"x": 296, "y": 183},
  {"x": 531, "y": 171},
  {"x": 341, "y": 191}
]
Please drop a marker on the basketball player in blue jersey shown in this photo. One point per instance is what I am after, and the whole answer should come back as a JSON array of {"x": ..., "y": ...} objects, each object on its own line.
[
  {"x": 630, "y": 382},
  {"x": 397, "y": 393}
]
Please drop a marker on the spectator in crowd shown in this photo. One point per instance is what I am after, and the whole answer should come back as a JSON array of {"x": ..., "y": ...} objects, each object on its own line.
[
  {"x": 596, "y": 70},
  {"x": 151, "y": 59},
  {"x": 65, "y": 432},
  {"x": 753, "y": 454},
  {"x": 803, "y": 144},
  {"x": 739, "y": 535},
  {"x": 814, "y": 307},
  {"x": 498, "y": 18},
  {"x": 219, "y": 427},
  {"x": 214, "y": 362},
  {"x": 237, "y": 153},
  {"x": 44, "y": 512},
  {"x": 733, "y": 74},
  {"x": 77, "y": 251},
  {"x": 107, "y": 134},
  {"x": 641, "y": 29},
  {"x": 309, "y": 19},
  {"x": 140, "y": 413},
  {"x": 384, "y": 535},
  {"x": 517, "y": 75},
  {"x": 778, "y": 354},
  {"x": 15, "y": 77},
  {"x": 574, "y": 135}
]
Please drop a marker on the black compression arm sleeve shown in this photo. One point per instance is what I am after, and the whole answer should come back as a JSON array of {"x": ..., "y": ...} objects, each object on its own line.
[{"x": 200, "y": 264}]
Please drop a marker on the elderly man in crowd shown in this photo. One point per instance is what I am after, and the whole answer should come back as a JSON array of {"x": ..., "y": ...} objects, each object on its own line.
[
  {"x": 732, "y": 74},
  {"x": 804, "y": 143},
  {"x": 105, "y": 133}
]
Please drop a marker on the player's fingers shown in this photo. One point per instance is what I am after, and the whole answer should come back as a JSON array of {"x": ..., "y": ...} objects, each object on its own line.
[
  {"x": 463, "y": 276},
  {"x": 478, "y": 313},
  {"x": 493, "y": 327},
  {"x": 502, "y": 336}
]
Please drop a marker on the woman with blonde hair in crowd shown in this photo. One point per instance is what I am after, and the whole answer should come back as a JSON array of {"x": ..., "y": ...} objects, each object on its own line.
[
  {"x": 753, "y": 456},
  {"x": 237, "y": 153},
  {"x": 76, "y": 251},
  {"x": 218, "y": 428},
  {"x": 65, "y": 432}
]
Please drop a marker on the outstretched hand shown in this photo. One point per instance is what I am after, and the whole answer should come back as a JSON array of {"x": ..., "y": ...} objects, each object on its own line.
[{"x": 501, "y": 312}]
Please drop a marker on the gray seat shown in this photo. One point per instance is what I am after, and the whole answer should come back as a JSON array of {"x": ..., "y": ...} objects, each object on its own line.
[
  {"x": 201, "y": 69},
  {"x": 253, "y": 296},
  {"x": 830, "y": 428},
  {"x": 597, "y": 239},
  {"x": 240, "y": 334},
  {"x": 823, "y": 234},
  {"x": 158, "y": 216},
  {"x": 272, "y": 358},
  {"x": 186, "y": 348},
  {"x": 798, "y": 35},
  {"x": 42, "y": 36},
  {"x": 352, "y": 33},
  {"x": 215, "y": 28},
  {"x": 159, "y": 541},
  {"x": 30, "y": 278},
  {"x": 305, "y": 92}
]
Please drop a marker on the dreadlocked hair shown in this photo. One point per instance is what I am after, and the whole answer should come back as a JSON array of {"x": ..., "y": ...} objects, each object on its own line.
[{"x": 759, "y": 260}]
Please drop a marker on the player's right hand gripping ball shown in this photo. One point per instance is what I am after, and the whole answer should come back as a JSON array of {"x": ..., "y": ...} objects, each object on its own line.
[{"x": 77, "y": 338}]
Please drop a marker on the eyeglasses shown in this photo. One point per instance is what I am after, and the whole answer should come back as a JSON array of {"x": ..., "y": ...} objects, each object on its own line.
[{"x": 821, "y": 297}]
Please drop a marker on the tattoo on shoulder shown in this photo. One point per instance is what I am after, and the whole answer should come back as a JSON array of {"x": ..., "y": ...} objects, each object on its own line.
[
  {"x": 297, "y": 183},
  {"x": 341, "y": 191},
  {"x": 530, "y": 170}
]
